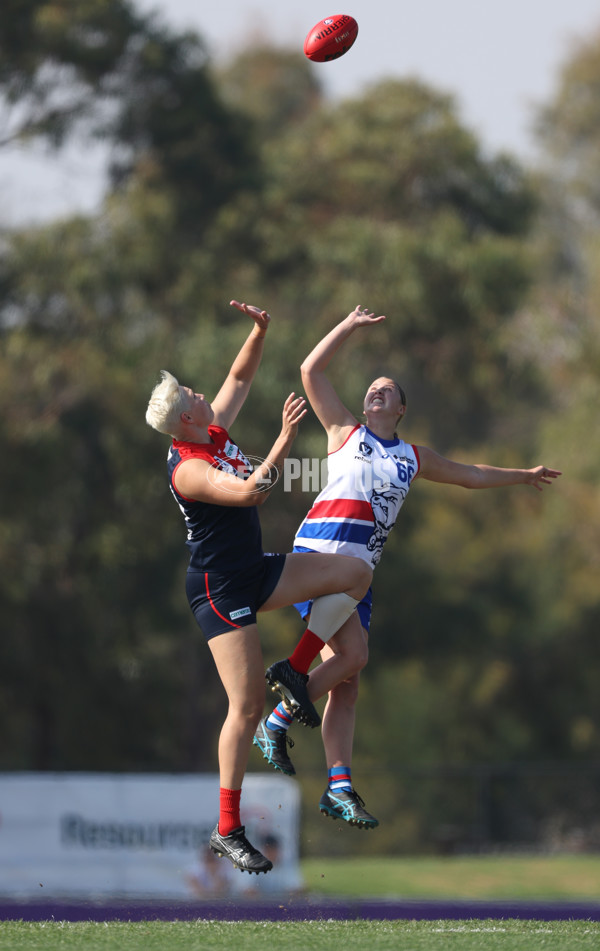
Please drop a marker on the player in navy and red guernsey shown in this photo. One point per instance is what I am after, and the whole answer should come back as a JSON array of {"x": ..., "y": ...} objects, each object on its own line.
[
  {"x": 214, "y": 531},
  {"x": 230, "y": 578},
  {"x": 370, "y": 472}
]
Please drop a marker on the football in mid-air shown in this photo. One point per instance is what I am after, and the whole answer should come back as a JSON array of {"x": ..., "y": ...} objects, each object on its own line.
[{"x": 331, "y": 38}]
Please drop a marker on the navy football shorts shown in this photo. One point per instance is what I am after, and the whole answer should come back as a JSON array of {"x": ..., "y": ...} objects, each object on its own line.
[
  {"x": 364, "y": 607},
  {"x": 227, "y": 602}
]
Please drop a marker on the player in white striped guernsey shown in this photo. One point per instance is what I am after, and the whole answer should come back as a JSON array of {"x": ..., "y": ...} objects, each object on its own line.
[
  {"x": 370, "y": 471},
  {"x": 368, "y": 480}
]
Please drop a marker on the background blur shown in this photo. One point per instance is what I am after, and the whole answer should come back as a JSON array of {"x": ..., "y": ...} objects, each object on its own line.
[{"x": 478, "y": 724}]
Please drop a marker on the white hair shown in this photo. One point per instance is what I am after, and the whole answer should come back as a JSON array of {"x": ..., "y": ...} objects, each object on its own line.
[{"x": 167, "y": 402}]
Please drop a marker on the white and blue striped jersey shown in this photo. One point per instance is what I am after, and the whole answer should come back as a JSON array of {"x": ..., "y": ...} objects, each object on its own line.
[{"x": 368, "y": 480}]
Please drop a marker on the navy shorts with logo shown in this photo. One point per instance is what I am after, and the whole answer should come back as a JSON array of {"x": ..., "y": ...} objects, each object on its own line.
[{"x": 227, "y": 602}]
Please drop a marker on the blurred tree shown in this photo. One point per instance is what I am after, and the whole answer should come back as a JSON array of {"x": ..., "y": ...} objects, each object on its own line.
[
  {"x": 173, "y": 131},
  {"x": 400, "y": 153},
  {"x": 569, "y": 127},
  {"x": 276, "y": 88},
  {"x": 58, "y": 62},
  {"x": 86, "y": 584},
  {"x": 99, "y": 67},
  {"x": 563, "y": 315},
  {"x": 388, "y": 199}
]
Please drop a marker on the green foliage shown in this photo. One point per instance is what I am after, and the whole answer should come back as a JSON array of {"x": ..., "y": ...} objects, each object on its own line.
[
  {"x": 58, "y": 58},
  {"x": 99, "y": 66},
  {"x": 79, "y": 599},
  {"x": 569, "y": 127},
  {"x": 399, "y": 153},
  {"x": 176, "y": 133},
  {"x": 276, "y": 88}
]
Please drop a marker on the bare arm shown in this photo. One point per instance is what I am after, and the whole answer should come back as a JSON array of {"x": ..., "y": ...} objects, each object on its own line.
[
  {"x": 197, "y": 479},
  {"x": 437, "y": 468},
  {"x": 230, "y": 398},
  {"x": 335, "y": 418}
]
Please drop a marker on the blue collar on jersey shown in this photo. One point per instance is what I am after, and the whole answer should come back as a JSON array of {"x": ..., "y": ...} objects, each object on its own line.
[{"x": 384, "y": 442}]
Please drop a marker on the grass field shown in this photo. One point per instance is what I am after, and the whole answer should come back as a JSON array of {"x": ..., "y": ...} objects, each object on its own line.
[
  {"x": 489, "y": 935},
  {"x": 566, "y": 877}
]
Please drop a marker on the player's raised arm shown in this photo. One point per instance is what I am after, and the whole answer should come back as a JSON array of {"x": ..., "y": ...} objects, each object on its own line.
[
  {"x": 230, "y": 398},
  {"x": 334, "y": 416}
]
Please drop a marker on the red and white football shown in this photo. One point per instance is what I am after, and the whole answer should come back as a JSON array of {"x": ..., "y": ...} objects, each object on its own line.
[{"x": 331, "y": 38}]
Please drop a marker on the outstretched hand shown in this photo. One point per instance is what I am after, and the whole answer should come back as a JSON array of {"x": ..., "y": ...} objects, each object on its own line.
[
  {"x": 361, "y": 317},
  {"x": 294, "y": 409},
  {"x": 541, "y": 476},
  {"x": 260, "y": 317}
]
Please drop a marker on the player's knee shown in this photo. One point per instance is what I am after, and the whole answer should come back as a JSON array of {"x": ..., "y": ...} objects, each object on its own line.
[
  {"x": 362, "y": 575},
  {"x": 356, "y": 657},
  {"x": 251, "y": 709},
  {"x": 352, "y": 651},
  {"x": 251, "y": 719},
  {"x": 356, "y": 660},
  {"x": 256, "y": 710},
  {"x": 361, "y": 656}
]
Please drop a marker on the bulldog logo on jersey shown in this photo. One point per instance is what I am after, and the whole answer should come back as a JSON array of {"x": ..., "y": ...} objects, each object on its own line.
[{"x": 385, "y": 506}]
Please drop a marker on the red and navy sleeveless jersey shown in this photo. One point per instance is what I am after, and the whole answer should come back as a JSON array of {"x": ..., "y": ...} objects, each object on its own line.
[{"x": 220, "y": 538}]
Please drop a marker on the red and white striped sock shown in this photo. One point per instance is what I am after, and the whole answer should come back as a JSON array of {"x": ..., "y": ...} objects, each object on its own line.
[
  {"x": 340, "y": 777},
  {"x": 280, "y": 719}
]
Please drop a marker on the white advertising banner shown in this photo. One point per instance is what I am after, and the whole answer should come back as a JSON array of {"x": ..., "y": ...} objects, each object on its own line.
[{"x": 135, "y": 835}]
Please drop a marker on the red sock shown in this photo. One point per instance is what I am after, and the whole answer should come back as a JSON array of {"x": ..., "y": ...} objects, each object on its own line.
[
  {"x": 306, "y": 650},
  {"x": 229, "y": 810}
]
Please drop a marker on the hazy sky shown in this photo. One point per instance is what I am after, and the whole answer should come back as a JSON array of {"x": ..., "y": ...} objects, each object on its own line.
[{"x": 500, "y": 61}]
